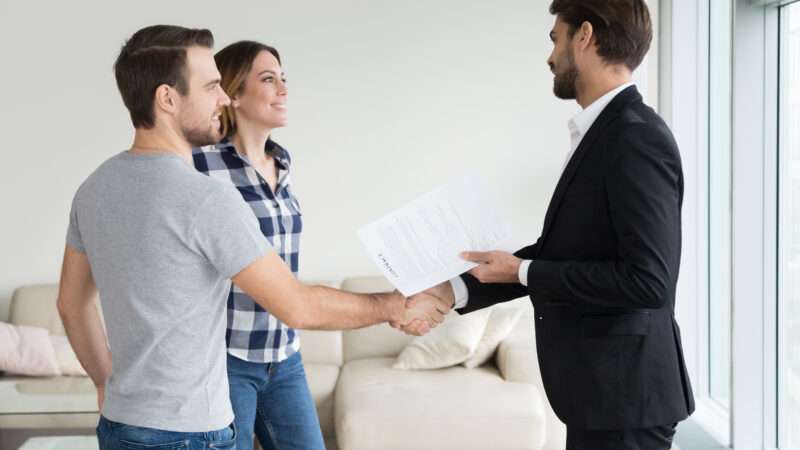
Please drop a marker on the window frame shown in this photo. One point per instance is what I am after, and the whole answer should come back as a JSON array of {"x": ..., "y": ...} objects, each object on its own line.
[
  {"x": 777, "y": 108},
  {"x": 751, "y": 421}
]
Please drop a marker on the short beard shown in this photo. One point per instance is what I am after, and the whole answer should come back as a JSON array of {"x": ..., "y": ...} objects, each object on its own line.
[
  {"x": 198, "y": 137},
  {"x": 564, "y": 83}
]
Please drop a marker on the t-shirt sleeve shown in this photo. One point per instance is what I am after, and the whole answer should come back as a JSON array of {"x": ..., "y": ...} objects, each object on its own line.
[
  {"x": 74, "y": 239},
  {"x": 226, "y": 231}
]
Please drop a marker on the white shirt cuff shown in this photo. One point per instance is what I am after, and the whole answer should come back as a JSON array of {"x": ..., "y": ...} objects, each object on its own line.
[
  {"x": 460, "y": 292},
  {"x": 523, "y": 271}
]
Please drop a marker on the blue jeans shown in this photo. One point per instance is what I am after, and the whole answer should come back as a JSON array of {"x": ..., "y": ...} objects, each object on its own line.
[
  {"x": 273, "y": 400},
  {"x": 114, "y": 435}
]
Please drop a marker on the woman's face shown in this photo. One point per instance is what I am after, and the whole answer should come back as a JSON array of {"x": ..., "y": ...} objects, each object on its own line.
[{"x": 263, "y": 101}]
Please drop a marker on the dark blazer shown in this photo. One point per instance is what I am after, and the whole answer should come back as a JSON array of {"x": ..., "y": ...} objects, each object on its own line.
[{"x": 603, "y": 277}]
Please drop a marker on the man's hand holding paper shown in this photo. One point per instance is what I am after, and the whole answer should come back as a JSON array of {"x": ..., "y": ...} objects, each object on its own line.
[{"x": 419, "y": 245}]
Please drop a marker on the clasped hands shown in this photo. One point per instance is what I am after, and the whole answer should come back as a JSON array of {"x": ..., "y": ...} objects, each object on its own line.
[
  {"x": 422, "y": 313},
  {"x": 426, "y": 310}
]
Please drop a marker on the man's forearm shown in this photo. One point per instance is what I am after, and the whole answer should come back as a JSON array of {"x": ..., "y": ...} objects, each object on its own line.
[
  {"x": 269, "y": 282},
  {"x": 332, "y": 309},
  {"x": 81, "y": 319},
  {"x": 85, "y": 332}
]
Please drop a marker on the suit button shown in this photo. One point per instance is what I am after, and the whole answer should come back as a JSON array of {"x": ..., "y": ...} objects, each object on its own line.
[{"x": 540, "y": 317}]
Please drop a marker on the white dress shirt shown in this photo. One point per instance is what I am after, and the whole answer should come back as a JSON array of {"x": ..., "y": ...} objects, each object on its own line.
[{"x": 578, "y": 126}]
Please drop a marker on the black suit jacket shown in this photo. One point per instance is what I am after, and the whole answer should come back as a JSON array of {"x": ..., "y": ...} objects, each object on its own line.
[{"x": 603, "y": 277}]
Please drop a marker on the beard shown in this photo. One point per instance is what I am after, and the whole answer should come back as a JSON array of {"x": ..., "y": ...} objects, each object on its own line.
[
  {"x": 564, "y": 82},
  {"x": 201, "y": 135}
]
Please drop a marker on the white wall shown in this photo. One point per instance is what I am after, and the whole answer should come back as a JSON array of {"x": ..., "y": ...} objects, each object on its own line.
[{"x": 386, "y": 98}]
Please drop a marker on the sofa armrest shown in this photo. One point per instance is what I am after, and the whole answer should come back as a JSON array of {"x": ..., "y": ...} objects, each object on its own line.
[{"x": 517, "y": 362}]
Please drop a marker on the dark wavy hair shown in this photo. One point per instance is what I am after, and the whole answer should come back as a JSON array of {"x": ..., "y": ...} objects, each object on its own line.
[
  {"x": 622, "y": 28},
  {"x": 154, "y": 56}
]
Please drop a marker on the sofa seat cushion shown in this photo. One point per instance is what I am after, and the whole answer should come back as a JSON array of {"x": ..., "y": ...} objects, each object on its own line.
[
  {"x": 322, "y": 384},
  {"x": 28, "y": 395},
  {"x": 378, "y": 407}
]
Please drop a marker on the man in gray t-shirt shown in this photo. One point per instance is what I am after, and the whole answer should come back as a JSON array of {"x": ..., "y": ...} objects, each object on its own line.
[{"x": 161, "y": 243}]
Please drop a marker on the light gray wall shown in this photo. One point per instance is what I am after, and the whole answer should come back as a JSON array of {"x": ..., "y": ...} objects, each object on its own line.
[{"x": 386, "y": 99}]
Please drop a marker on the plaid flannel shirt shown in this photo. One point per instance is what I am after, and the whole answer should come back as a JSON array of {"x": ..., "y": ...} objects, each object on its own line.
[{"x": 253, "y": 333}]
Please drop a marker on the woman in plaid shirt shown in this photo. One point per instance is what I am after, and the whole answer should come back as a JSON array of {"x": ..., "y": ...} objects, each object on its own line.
[{"x": 268, "y": 387}]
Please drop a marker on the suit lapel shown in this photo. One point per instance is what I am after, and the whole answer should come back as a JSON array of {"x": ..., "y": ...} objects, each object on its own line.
[{"x": 597, "y": 129}]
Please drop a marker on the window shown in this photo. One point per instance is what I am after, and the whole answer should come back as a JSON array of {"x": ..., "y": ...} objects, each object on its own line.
[
  {"x": 789, "y": 230},
  {"x": 744, "y": 338},
  {"x": 719, "y": 202}
]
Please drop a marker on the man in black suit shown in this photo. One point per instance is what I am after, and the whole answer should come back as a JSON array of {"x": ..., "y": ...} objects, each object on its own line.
[{"x": 602, "y": 275}]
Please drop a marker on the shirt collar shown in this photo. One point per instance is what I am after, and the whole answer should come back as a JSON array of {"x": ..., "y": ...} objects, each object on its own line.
[
  {"x": 281, "y": 156},
  {"x": 279, "y": 153},
  {"x": 579, "y": 125}
]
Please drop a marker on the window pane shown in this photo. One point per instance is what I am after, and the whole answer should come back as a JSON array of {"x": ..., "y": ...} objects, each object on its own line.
[
  {"x": 789, "y": 232},
  {"x": 719, "y": 201}
]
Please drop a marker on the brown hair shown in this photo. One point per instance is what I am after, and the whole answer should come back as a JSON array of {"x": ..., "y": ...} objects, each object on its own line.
[
  {"x": 234, "y": 63},
  {"x": 154, "y": 56},
  {"x": 622, "y": 28}
]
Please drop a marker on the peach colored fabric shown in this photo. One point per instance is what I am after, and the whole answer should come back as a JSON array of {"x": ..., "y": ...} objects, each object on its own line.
[
  {"x": 26, "y": 351},
  {"x": 68, "y": 362}
]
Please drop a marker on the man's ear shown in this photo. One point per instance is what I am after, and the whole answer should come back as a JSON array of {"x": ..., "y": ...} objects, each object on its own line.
[
  {"x": 585, "y": 35},
  {"x": 165, "y": 98}
]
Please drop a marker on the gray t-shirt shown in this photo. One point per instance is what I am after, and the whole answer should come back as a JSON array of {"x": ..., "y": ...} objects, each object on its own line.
[{"x": 163, "y": 241}]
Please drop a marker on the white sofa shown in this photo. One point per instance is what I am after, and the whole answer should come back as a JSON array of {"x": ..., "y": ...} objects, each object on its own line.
[{"x": 363, "y": 403}]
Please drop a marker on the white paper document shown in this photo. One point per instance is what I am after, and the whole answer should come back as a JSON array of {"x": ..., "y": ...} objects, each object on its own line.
[{"x": 418, "y": 246}]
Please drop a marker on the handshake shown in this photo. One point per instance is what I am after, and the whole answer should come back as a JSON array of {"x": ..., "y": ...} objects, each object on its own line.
[{"x": 425, "y": 310}]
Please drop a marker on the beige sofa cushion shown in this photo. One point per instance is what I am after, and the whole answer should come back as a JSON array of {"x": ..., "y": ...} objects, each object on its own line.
[
  {"x": 378, "y": 341},
  {"x": 321, "y": 347},
  {"x": 517, "y": 361},
  {"x": 35, "y": 306},
  {"x": 501, "y": 323},
  {"x": 378, "y": 407},
  {"x": 322, "y": 380},
  {"x": 451, "y": 343},
  {"x": 516, "y": 356},
  {"x": 367, "y": 285}
]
